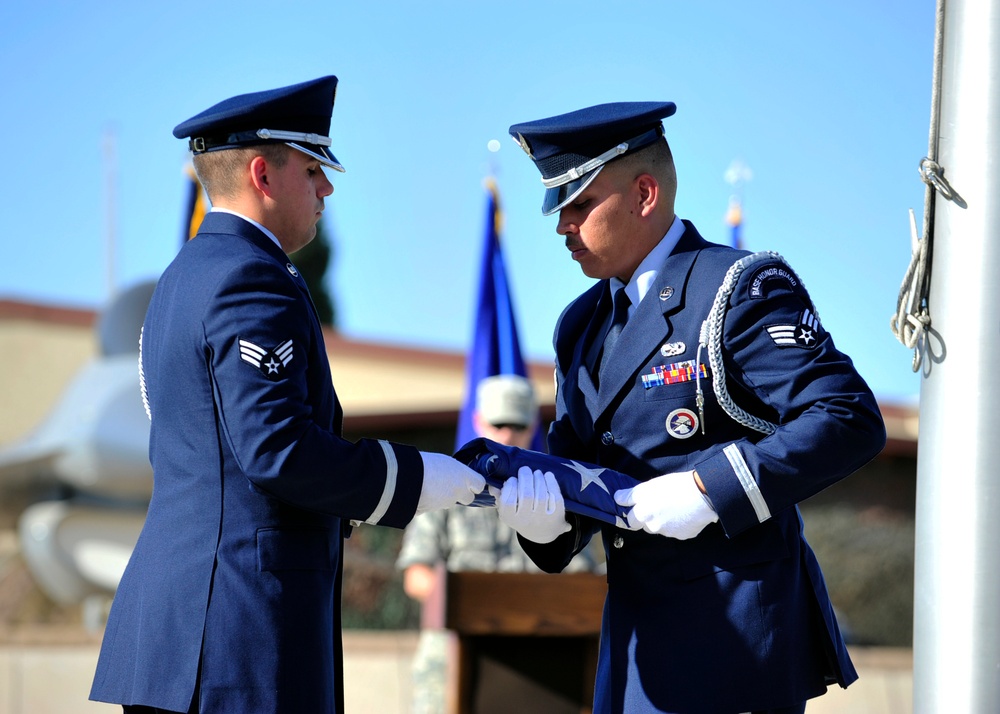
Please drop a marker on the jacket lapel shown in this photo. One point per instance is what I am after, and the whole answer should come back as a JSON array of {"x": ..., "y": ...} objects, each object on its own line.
[
  {"x": 579, "y": 329},
  {"x": 650, "y": 326}
]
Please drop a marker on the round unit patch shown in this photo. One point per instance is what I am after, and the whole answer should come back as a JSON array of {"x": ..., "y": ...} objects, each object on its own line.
[{"x": 682, "y": 423}]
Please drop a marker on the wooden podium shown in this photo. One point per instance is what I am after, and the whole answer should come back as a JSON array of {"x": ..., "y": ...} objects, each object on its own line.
[{"x": 522, "y": 642}]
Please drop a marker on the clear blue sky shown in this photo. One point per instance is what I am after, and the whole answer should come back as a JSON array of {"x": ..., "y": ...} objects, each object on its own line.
[{"x": 827, "y": 103}]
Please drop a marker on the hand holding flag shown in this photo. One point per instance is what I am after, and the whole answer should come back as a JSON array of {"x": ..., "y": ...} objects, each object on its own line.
[
  {"x": 670, "y": 505},
  {"x": 532, "y": 505},
  {"x": 588, "y": 490}
]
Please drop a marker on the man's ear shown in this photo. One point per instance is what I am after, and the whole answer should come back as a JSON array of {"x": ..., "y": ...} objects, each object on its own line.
[
  {"x": 648, "y": 191},
  {"x": 258, "y": 175}
]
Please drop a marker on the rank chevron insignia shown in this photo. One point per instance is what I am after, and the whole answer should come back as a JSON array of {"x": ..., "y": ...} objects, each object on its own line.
[
  {"x": 271, "y": 363},
  {"x": 805, "y": 334}
]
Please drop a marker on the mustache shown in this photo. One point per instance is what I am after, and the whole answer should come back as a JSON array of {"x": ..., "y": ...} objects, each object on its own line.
[{"x": 573, "y": 244}]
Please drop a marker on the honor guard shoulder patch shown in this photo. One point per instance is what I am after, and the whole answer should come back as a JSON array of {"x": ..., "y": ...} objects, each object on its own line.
[
  {"x": 767, "y": 277},
  {"x": 271, "y": 363},
  {"x": 805, "y": 334}
]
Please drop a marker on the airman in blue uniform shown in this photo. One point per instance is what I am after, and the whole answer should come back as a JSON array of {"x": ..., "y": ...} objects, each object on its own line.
[
  {"x": 704, "y": 372},
  {"x": 231, "y": 599}
]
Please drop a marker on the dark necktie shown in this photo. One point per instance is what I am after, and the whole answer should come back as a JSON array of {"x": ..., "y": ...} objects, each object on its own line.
[{"x": 619, "y": 316}]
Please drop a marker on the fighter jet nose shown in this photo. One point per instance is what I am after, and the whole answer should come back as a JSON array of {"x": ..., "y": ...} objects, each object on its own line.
[{"x": 120, "y": 322}]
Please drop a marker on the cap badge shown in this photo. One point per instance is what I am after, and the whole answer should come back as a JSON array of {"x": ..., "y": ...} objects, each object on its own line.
[{"x": 524, "y": 145}]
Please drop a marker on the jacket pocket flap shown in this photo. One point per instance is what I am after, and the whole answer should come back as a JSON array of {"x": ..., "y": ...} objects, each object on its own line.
[{"x": 293, "y": 549}]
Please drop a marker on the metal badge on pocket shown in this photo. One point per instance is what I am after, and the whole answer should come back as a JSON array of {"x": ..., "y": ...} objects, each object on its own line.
[
  {"x": 682, "y": 423},
  {"x": 673, "y": 349}
]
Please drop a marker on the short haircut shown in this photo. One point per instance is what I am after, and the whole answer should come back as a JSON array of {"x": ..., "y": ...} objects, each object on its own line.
[
  {"x": 655, "y": 159},
  {"x": 219, "y": 171}
]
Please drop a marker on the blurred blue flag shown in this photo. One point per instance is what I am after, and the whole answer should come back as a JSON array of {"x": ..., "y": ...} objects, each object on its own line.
[
  {"x": 495, "y": 347},
  {"x": 195, "y": 206},
  {"x": 588, "y": 490},
  {"x": 734, "y": 217}
]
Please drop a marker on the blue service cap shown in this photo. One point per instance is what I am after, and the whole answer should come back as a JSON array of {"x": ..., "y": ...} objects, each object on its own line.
[
  {"x": 571, "y": 149},
  {"x": 298, "y": 115}
]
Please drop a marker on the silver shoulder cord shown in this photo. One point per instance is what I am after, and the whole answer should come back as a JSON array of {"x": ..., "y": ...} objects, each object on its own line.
[
  {"x": 711, "y": 340},
  {"x": 142, "y": 380}
]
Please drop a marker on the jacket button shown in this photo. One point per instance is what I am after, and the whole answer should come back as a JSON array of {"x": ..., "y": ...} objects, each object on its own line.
[
  {"x": 607, "y": 438},
  {"x": 618, "y": 542}
]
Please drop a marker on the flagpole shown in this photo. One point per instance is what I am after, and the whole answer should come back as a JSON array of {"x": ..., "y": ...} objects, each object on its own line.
[
  {"x": 956, "y": 629},
  {"x": 110, "y": 171}
]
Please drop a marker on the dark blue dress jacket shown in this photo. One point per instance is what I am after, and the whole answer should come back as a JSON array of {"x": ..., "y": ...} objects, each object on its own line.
[
  {"x": 738, "y": 618},
  {"x": 233, "y": 588}
]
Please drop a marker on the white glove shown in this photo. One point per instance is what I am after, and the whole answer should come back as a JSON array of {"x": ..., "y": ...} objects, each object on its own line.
[
  {"x": 532, "y": 505},
  {"x": 447, "y": 482},
  {"x": 670, "y": 505}
]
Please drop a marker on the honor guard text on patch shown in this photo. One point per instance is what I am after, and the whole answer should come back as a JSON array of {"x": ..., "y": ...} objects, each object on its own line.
[
  {"x": 769, "y": 276},
  {"x": 806, "y": 334},
  {"x": 682, "y": 423},
  {"x": 271, "y": 363}
]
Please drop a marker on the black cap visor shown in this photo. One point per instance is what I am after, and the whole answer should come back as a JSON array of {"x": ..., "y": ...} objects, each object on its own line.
[
  {"x": 558, "y": 196},
  {"x": 320, "y": 153}
]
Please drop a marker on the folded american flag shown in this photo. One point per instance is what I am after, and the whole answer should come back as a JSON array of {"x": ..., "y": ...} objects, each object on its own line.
[{"x": 588, "y": 490}]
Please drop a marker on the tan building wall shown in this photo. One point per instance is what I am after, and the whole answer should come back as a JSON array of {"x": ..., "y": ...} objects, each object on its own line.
[
  {"x": 43, "y": 350},
  {"x": 379, "y": 385}
]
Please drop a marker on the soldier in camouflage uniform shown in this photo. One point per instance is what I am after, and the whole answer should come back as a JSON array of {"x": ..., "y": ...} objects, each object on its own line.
[{"x": 469, "y": 538}]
